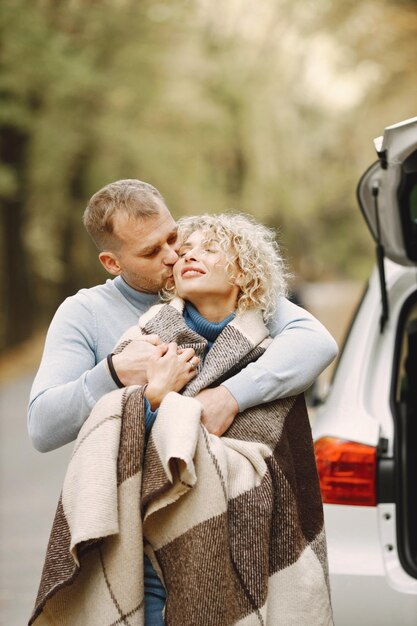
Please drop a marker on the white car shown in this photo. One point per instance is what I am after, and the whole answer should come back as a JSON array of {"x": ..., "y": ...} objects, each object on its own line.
[{"x": 365, "y": 432}]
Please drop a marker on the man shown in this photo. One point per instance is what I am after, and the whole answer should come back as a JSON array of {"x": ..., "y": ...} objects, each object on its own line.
[{"x": 136, "y": 236}]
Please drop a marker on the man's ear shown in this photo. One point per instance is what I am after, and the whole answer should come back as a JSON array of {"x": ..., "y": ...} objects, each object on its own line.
[{"x": 110, "y": 263}]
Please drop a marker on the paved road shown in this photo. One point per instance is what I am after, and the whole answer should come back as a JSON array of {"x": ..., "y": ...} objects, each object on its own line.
[{"x": 30, "y": 485}]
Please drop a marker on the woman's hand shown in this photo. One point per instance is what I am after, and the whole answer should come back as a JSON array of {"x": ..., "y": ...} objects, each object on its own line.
[
  {"x": 131, "y": 363},
  {"x": 170, "y": 371}
]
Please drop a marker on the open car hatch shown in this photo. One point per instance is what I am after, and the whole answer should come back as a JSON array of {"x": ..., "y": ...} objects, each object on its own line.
[{"x": 387, "y": 193}]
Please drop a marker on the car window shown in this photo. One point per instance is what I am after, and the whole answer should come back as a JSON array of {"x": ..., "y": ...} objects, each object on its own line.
[
  {"x": 404, "y": 411},
  {"x": 406, "y": 378}
]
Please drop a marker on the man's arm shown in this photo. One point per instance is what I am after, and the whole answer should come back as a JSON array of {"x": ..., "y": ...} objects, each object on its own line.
[
  {"x": 302, "y": 348},
  {"x": 70, "y": 381}
]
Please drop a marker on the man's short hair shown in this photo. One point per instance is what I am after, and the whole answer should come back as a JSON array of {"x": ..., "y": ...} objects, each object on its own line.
[{"x": 132, "y": 197}]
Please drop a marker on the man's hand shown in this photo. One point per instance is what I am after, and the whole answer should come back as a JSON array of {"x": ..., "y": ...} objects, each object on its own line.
[
  {"x": 170, "y": 371},
  {"x": 131, "y": 363},
  {"x": 219, "y": 409}
]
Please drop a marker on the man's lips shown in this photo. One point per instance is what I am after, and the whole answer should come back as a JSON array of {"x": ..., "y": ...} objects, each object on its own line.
[{"x": 191, "y": 270}]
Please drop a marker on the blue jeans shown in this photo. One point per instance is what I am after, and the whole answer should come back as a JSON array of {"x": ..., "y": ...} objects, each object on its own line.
[{"x": 155, "y": 595}]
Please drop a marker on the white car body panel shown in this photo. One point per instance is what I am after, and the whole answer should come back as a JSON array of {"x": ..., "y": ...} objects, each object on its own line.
[
  {"x": 369, "y": 585},
  {"x": 358, "y": 406}
]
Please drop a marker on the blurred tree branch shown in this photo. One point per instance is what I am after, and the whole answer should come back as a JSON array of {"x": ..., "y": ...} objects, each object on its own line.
[{"x": 266, "y": 107}]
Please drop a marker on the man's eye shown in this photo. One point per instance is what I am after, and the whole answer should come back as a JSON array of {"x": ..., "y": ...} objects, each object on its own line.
[{"x": 148, "y": 255}]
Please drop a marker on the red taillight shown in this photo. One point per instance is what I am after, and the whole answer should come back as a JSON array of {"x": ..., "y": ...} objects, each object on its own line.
[{"x": 347, "y": 471}]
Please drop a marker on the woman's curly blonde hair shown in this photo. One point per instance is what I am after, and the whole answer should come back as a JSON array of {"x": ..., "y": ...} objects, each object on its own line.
[{"x": 263, "y": 275}]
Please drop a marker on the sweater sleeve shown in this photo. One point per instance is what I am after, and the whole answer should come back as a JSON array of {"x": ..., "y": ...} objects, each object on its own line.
[
  {"x": 69, "y": 381},
  {"x": 302, "y": 348},
  {"x": 150, "y": 417}
]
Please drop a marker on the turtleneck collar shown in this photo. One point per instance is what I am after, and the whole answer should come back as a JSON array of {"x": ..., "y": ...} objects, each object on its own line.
[
  {"x": 137, "y": 298},
  {"x": 208, "y": 330}
]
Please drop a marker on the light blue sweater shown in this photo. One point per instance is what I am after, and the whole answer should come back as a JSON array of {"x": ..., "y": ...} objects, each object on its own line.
[{"x": 73, "y": 374}]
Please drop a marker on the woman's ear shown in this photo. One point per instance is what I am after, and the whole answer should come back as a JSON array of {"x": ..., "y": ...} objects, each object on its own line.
[
  {"x": 110, "y": 263},
  {"x": 238, "y": 279}
]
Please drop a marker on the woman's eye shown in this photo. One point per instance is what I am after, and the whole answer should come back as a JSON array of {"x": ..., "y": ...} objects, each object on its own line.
[{"x": 210, "y": 246}]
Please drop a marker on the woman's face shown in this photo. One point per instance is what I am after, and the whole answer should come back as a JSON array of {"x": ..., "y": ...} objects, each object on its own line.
[{"x": 201, "y": 272}]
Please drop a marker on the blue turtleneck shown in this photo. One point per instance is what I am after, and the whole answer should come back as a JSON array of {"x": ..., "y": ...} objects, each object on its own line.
[{"x": 206, "y": 329}]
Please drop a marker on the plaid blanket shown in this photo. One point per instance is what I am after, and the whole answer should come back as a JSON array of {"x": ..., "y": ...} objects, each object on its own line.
[{"x": 233, "y": 525}]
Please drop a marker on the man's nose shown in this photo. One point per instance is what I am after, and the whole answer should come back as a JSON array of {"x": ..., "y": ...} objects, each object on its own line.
[{"x": 171, "y": 255}]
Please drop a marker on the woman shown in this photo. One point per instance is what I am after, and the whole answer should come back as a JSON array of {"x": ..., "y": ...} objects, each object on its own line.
[
  {"x": 232, "y": 525},
  {"x": 228, "y": 265},
  {"x": 215, "y": 278}
]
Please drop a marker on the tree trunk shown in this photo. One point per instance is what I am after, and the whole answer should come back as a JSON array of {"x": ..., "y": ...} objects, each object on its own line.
[
  {"x": 17, "y": 296},
  {"x": 71, "y": 279}
]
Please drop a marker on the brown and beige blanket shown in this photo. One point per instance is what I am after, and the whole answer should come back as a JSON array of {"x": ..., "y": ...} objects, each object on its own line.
[{"x": 234, "y": 525}]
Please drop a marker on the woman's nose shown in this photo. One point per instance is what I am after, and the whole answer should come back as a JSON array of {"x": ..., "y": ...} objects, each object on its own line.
[{"x": 190, "y": 255}]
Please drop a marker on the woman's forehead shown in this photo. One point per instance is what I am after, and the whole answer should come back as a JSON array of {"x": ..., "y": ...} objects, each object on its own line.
[{"x": 199, "y": 235}]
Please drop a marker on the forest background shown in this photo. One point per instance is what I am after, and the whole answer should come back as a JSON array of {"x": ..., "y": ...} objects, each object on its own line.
[{"x": 268, "y": 107}]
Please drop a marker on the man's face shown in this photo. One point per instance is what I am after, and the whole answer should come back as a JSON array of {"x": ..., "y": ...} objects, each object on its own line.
[{"x": 146, "y": 252}]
